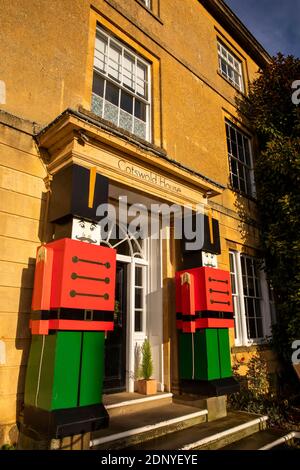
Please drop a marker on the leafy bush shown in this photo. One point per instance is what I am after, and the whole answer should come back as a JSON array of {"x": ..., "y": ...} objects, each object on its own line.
[
  {"x": 276, "y": 121},
  {"x": 255, "y": 395},
  {"x": 8, "y": 447}
]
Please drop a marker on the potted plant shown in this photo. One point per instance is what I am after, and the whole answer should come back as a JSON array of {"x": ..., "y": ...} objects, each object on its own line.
[{"x": 146, "y": 385}]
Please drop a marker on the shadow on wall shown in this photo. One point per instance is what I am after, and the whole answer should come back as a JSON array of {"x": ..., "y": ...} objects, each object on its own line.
[{"x": 23, "y": 335}]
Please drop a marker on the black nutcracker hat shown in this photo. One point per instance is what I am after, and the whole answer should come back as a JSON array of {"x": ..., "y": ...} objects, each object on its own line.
[
  {"x": 77, "y": 191},
  {"x": 190, "y": 258}
]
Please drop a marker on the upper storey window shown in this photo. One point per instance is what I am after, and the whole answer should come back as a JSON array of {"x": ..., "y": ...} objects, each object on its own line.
[
  {"x": 230, "y": 67},
  {"x": 121, "y": 86},
  {"x": 240, "y": 160}
]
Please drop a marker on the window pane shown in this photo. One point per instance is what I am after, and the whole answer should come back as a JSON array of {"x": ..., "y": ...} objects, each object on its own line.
[
  {"x": 234, "y": 149},
  {"x": 127, "y": 102},
  {"x": 259, "y": 328},
  {"x": 247, "y": 151},
  {"x": 252, "y": 329},
  {"x": 227, "y": 130},
  {"x": 140, "y": 128},
  {"x": 241, "y": 171},
  {"x": 138, "y": 323},
  {"x": 128, "y": 71},
  {"x": 114, "y": 63},
  {"x": 237, "y": 79},
  {"x": 231, "y": 262},
  {"x": 242, "y": 186},
  {"x": 249, "y": 266},
  {"x": 98, "y": 85},
  {"x": 140, "y": 110},
  {"x": 248, "y": 182},
  {"x": 126, "y": 121},
  {"x": 234, "y": 166},
  {"x": 232, "y": 278},
  {"x": 100, "y": 52},
  {"x": 141, "y": 77},
  {"x": 147, "y": 3},
  {"x": 245, "y": 285},
  {"x": 138, "y": 275},
  {"x": 230, "y": 73},
  {"x": 97, "y": 104},
  {"x": 251, "y": 287},
  {"x": 111, "y": 112},
  {"x": 138, "y": 298},
  {"x": 240, "y": 146},
  {"x": 257, "y": 287},
  {"x": 112, "y": 93},
  {"x": 235, "y": 182},
  {"x": 223, "y": 67}
]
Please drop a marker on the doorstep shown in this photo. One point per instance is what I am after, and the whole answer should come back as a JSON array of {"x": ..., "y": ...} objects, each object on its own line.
[{"x": 121, "y": 403}]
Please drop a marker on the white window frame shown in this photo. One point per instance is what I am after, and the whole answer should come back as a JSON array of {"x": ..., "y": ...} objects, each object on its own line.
[
  {"x": 113, "y": 44},
  {"x": 240, "y": 317},
  {"x": 143, "y": 289},
  {"x": 241, "y": 160},
  {"x": 233, "y": 67},
  {"x": 147, "y": 3}
]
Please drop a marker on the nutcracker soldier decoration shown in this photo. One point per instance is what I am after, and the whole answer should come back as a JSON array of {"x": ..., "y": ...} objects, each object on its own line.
[
  {"x": 204, "y": 314},
  {"x": 72, "y": 308}
]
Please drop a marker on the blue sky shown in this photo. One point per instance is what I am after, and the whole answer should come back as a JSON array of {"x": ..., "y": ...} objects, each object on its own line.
[{"x": 274, "y": 23}]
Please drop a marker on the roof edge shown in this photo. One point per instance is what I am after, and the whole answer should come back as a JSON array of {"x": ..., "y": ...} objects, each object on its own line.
[{"x": 230, "y": 21}]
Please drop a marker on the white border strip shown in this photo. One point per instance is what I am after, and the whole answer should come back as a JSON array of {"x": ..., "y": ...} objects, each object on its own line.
[
  {"x": 282, "y": 440},
  {"x": 227, "y": 432},
  {"x": 143, "y": 429},
  {"x": 138, "y": 400}
]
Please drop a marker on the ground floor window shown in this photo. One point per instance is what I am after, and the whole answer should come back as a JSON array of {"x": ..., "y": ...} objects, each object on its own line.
[{"x": 252, "y": 315}]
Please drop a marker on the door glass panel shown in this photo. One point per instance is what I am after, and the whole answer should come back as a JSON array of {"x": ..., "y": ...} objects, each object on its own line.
[
  {"x": 138, "y": 297},
  {"x": 138, "y": 275},
  {"x": 138, "y": 323}
]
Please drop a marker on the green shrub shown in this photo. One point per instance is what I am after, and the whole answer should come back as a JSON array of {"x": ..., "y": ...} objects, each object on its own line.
[
  {"x": 255, "y": 395},
  {"x": 8, "y": 447},
  {"x": 146, "y": 369}
]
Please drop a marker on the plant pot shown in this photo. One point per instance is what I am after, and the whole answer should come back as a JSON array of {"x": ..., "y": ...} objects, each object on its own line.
[{"x": 146, "y": 387}]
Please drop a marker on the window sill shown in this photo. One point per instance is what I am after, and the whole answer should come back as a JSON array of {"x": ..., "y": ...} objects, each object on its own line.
[
  {"x": 150, "y": 11},
  {"x": 259, "y": 346},
  {"x": 120, "y": 132},
  {"x": 241, "y": 93},
  {"x": 240, "y": 193}
]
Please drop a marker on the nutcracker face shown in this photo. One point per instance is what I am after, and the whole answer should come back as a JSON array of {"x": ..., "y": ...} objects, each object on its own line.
[
  {"x": 209, "y": 259},
  {"x": 84, "y": 231}
]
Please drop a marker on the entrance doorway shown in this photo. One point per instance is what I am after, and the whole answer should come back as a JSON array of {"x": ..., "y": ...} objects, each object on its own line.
[
  {"x": 138, "y": 312},
  {"x": 115, "y": 343}
]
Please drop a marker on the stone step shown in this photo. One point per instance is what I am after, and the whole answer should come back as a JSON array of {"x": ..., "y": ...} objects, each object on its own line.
[
  {"x": 263, "y": 440},
  {"x": 211, "y": 435},
  {"x": 129, "y": 430},
  {"x": 125, "y": 403}
]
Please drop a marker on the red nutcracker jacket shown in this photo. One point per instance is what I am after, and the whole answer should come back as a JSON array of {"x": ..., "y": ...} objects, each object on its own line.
[{"x": 74, "y": 287}]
